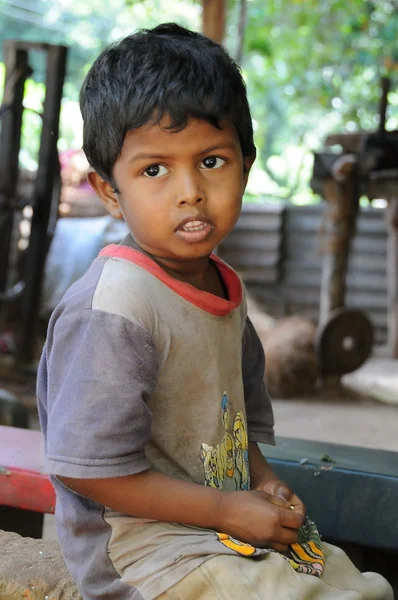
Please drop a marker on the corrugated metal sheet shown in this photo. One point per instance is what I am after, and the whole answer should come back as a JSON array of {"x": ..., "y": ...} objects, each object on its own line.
[
  {"x": 254, "y": 247},
  {"x": 278, "y": 251}
]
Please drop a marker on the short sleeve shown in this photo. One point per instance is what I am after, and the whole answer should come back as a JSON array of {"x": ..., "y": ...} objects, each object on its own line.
[
  {"x": 100, "y": 370},
  {"x": 260, "y": 418}
]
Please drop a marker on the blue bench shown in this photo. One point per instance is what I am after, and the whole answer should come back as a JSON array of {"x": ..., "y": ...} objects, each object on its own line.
[
  {"x": 352, "y": 495},
  {"x": 350, "y": 492}
]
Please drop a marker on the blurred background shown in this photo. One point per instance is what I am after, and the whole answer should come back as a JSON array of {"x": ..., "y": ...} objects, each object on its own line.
[{"x": 312, "y": 67}]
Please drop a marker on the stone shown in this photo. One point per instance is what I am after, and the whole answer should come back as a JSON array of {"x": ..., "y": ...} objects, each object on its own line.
[{"x": 33, "y": 570}]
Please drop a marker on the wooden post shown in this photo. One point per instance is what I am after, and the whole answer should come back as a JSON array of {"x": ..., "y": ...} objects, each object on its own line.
[
  {"x": 343, "y": 200},
  {"x": 392, "y": 275},
  {"x": 213, "y": 19}
]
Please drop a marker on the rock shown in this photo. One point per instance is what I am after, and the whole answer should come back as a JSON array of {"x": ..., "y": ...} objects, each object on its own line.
[
  {"x": 291, "y": 365},
  {"x": 33, "y": 570},
  {"x": 262, "y": 321}
]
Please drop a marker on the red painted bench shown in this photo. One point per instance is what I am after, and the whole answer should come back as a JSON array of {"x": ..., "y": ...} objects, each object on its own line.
[{"x": 26, "y": 492}]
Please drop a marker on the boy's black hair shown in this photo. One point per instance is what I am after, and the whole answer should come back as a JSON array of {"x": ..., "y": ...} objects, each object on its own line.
[{"x": 167, "y": 70}]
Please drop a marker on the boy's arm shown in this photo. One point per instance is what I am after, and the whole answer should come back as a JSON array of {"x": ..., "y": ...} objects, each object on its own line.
[
  {"x": 260, "y": 419},
  {"x": 253, "y": 517}
]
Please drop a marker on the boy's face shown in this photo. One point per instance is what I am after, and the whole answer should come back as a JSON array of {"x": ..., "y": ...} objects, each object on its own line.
[{"x": 180, "y": 193}]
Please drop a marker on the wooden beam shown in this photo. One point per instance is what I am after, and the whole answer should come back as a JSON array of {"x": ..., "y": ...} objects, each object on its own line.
[
  {"x": 213, "y": 19},
  {"x": 343, "y": 203}
]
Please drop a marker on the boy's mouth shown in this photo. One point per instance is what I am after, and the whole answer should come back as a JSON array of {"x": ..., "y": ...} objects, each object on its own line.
[{"x": 194, "y": 228}]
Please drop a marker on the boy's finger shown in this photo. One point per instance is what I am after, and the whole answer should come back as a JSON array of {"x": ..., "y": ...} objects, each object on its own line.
[
  {"x": 283, "y": 491},
  {"x": 287, "y": 536},
  {"x": 298, "y": 508},
  {"x": 291, "y": 518},
  {"x": 277, "y": 501}
]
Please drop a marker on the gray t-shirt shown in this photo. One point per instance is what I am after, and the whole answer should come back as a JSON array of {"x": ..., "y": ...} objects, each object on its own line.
[{"x": 140, "y": 370}]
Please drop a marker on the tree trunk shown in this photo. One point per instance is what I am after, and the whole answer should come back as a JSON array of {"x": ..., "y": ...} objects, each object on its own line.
[
  {"x": 213, "y": 19},
  {"x": 241, "y": 31}
]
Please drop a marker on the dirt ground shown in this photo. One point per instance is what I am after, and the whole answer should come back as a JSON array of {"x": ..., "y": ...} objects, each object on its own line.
[{"x": 347, "y": 414}]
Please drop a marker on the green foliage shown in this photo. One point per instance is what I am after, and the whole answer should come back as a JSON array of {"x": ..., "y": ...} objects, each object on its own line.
[{"x": 312, "y": 67}]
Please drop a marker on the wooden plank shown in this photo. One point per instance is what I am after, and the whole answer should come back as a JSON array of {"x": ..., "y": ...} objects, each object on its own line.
[
  {"x": 26, "y": 490},
  {"x": 21, "y": 449},
  {"x": 23, "y": 482}
]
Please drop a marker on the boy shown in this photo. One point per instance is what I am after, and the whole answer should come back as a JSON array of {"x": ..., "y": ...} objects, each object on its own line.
[{"x": 150, "y": 388}]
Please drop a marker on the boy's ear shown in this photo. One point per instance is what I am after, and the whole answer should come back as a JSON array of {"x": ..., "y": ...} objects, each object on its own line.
[
  {"x": 106, "y": 194},
  {"x": 247, "y": 165}
]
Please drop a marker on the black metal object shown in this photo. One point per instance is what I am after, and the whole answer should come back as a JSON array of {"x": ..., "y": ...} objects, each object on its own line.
[
  {"x": 349, "y": 492},
  {"x": 17, "y": 70},
  {"x": 27, "y": 523},
  {"x": 343, "y": 342},
  {"x": 46, "y": 193},
  {"x": 45, "y": 197},
  {"x": 13, "y": 413}
]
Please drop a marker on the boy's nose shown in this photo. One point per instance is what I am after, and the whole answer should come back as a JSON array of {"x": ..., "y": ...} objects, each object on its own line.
[{"x": 188, "y": 189}]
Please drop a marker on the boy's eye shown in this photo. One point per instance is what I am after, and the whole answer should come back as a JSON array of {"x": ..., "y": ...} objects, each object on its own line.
[
  {"x": 155, "y": 171},
  {"x": 213, "y": 162}
]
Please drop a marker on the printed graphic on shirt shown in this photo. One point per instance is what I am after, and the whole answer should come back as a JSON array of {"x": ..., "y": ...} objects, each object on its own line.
[{"x": 226, "y": 466}]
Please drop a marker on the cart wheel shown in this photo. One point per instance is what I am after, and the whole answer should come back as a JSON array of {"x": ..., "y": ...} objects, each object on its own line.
[
  {"x": 343, "y": 342},
  {"x": 12, "y": 412}
]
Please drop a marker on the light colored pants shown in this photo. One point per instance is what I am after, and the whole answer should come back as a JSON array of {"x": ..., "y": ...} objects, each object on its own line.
[{"x": 272, "y": 578}]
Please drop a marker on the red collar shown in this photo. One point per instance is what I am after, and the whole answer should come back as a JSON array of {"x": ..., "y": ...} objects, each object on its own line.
[{"x": 208, "y": 302}]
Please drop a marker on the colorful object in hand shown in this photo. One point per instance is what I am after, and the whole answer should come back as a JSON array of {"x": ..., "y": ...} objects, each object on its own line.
[{"x": 306, "y": 556}]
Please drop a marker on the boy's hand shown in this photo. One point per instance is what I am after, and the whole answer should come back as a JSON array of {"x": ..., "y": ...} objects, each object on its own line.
[
  {"x": 280, "y": 490},
  {"x": 264, "y": 479},
  {"x": 260, "y": 519}
]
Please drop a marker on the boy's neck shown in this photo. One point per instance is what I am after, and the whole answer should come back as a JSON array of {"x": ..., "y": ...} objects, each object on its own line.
[{"x": 198, "y": 273}]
